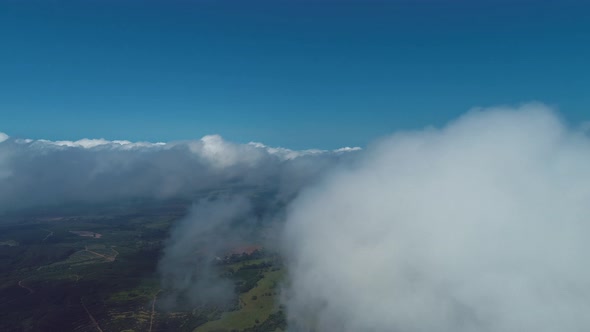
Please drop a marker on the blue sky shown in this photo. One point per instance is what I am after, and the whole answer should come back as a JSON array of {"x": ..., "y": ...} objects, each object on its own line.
[{"x": 298, "y": 74}]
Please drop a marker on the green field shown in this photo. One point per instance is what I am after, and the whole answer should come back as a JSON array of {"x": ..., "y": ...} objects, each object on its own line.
[{"x": 256, "y": 306}]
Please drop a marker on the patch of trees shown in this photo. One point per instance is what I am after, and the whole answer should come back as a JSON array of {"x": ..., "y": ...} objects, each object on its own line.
[
  {"x": 255, "y": 266},
  {"x": 246, "y": 279},
  {"x": 237, "y": 258}
]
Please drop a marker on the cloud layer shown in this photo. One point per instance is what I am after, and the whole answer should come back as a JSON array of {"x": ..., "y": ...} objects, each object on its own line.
[
  {"x": 482, "y": 225},
  {"x": 41, "y": 172}
]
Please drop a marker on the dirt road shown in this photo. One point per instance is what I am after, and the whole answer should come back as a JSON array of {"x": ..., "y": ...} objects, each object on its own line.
[
  {"x": 153, "y": 311},
  {"x": 107, "y": 258},
  {"x": 91, "y": 317}
]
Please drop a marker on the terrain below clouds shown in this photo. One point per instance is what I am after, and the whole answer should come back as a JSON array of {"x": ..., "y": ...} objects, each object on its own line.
[{"x": 480, "y": 225}]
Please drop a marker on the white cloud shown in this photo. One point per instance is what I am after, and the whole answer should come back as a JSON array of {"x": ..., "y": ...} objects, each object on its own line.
[
  {"x": 100, "y": 142},
  {"x": 225, "y": 154},
  {"x": 211, "y": 147},
  {"x": 480, "y": 226},
  {"x": 348, "y": 149},
  {"x": 287, "y": 154}
]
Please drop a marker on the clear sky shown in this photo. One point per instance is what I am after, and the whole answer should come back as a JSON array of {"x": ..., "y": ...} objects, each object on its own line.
[{"x": 298, "y": 74}]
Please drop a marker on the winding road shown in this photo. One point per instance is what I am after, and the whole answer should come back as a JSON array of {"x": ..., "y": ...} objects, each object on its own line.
[{"x": 22, "y": 285}]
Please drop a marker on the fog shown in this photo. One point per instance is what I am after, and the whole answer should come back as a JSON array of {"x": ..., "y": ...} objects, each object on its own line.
[
  {"x": 481, "y": 225},
  {"x": 207, "y": 233}
]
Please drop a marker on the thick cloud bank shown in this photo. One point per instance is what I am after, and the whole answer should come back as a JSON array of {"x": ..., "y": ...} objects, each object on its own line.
[
  {"x": 482, "y": 225},
  {"x": 41, "y": 172}
]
